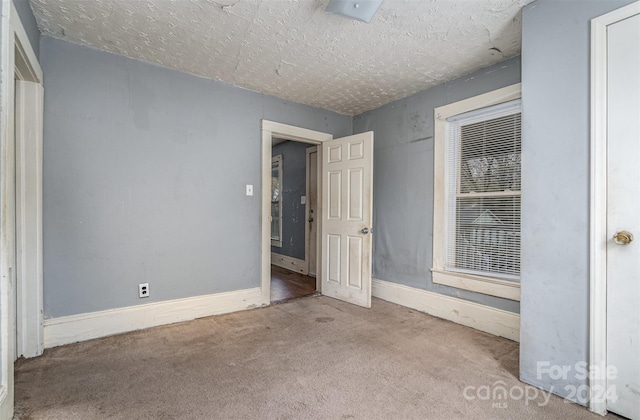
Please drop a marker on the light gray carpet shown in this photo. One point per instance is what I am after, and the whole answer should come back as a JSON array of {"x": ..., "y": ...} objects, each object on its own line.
[{"x": 311, "y": 358}]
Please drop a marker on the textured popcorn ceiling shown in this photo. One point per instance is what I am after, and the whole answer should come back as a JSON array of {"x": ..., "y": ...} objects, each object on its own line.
[{"x": 293, "y": 49}]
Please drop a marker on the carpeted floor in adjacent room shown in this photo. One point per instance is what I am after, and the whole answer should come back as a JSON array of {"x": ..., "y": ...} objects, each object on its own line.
[{"x": 312, "y": 358}]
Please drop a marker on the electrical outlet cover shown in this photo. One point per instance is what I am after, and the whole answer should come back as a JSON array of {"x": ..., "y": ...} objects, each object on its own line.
[{"x": 143, "y": 290}]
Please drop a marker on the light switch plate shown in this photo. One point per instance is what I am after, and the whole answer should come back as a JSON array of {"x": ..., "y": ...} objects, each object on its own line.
[
  {"x": 249, "y": 190},
  {"x": 303, "y": 199}
]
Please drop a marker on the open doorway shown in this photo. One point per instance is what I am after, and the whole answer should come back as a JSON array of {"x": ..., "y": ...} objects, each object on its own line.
[
  {"x": 277, "y": 135},
  {"x": 294, "y": 198},
  {"x": 344, "y": 213}
]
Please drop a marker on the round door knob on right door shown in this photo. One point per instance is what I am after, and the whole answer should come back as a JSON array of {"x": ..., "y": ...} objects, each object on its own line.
[{"x": 623, "y": 237}]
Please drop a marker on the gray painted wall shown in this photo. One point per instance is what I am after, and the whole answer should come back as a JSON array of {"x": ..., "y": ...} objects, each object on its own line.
[
  {"x": 144, "y": 180},
  {"x": 29, "y": 23},
  {"x": 294, "y": 177},
  {"x": 555, "y": 183},
  {"x": 403, "y": 180}
]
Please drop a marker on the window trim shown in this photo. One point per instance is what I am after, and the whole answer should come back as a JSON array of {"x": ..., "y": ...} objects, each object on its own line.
[
  {"x": 481, "y": 284},
  {"x": 278, "y": 160}
]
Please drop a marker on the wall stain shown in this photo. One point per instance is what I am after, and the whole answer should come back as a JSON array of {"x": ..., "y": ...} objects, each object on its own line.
[{"x": 421, "y": 139}]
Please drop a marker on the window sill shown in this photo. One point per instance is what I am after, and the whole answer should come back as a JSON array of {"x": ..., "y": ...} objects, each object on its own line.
[
  {"x": 277, "y": 244},
  {"x": 486, "y": 285}
]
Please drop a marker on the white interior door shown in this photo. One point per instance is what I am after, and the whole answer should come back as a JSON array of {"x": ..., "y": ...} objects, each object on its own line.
[
  {"x": 623, "y": 216},
  {"x": 347, "y": 201}
]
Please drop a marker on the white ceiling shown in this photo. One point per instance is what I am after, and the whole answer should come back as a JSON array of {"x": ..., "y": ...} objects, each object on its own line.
[{"x": 293, "y": 49}]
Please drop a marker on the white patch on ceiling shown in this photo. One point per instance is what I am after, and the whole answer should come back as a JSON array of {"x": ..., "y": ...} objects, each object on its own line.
[{"x": 292, "y": 49}]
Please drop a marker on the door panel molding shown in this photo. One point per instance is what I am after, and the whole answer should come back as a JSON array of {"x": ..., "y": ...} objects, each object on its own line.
[{"x": 598, "y": 200}]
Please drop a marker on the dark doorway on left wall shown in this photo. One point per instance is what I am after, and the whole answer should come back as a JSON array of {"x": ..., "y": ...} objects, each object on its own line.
[{"x": 294, "y": 194}]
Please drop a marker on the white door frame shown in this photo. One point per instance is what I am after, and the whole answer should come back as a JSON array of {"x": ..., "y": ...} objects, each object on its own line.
[
  {"x": 598, "y": 205},
  {"x": 272, "y": 129},
  {"x": 307, "y": 215},
  {"x": 28, "y": 152},
  {"x": 19, "y": 61}
]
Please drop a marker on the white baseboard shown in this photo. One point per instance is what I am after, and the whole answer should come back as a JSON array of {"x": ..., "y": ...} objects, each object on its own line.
[
  {"x": 484, "y": 318},
  {"x": 74, "y": 328},
  {"x": 6, "y": 403},
  {"x": 290, "y": 263}
]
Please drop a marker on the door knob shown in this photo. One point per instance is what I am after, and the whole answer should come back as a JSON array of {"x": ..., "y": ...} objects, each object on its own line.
[
  {"x": 623, "y": 237},
  {"x": 365, "y": 230}
]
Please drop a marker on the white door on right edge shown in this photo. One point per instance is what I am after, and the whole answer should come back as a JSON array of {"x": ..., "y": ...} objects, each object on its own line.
[
  {"x": 347, "y": 202},
  {"x": 623, "y": 216}
]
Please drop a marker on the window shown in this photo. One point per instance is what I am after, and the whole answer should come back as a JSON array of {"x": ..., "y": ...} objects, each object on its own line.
[
  {"x": 483, "y": 192},
  {"x": 477, "y": 191},
  {"x": 276, "y": 201}
]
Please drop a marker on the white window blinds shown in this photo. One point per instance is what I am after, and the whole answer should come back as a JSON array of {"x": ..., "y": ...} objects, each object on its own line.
[{"x": 482, "y": 192}]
